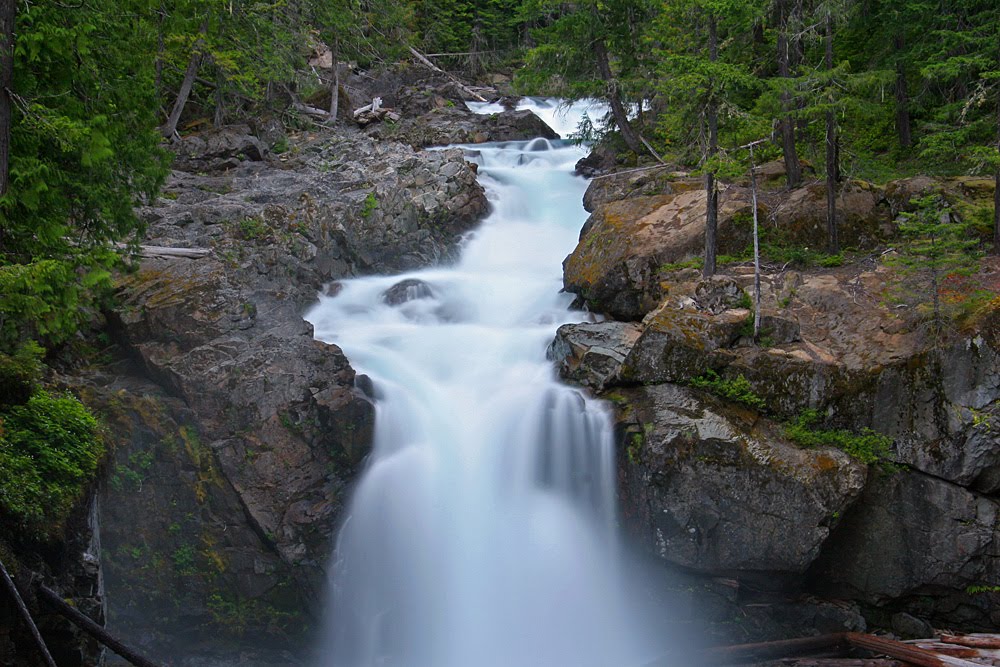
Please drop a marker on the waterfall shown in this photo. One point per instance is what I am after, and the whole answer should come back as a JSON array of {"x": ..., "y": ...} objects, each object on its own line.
[{"x": 482, "y": 532}]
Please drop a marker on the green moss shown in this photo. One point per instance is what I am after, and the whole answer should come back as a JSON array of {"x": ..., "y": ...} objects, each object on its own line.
[{"x": 369, "y": 205}]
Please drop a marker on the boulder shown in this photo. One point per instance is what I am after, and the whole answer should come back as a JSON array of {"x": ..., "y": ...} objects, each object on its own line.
[
  {"x": 591, "y": 354},
  {"x": 454, "y": 124},
  {"x": 218, "y": 148},
  {"x": 718, "y": 490},
  {"x": 625, "y": 245},
  {"x": 407, "y": 290}
]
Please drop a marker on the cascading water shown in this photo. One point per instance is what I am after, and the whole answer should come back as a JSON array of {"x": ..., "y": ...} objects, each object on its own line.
[{"x": 482, "y": 532}]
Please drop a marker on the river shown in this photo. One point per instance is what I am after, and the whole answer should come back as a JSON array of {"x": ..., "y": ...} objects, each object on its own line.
[{"x": 483, "y": 531}]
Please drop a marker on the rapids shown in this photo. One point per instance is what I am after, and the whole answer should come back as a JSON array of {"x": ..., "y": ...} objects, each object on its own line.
[{"x": 482, "y": 532}]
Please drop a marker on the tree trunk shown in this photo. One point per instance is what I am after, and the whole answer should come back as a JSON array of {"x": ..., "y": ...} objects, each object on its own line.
[
  {"x": 335, "y": 84},
  {"x": 832, "y": 166},
  {"x": 793, "y": 171},
  {"x": 12, "y": 591},
  {"x": 8, "y": 12},
  {"x": 996, "y": 181},
  {"x": 902, "y": 97},
  {"x": 170, "y": 127},
  {"x": 711, "y": 191},
  {"x": 614, "y": 98},
  {"x": 756, "y": 250}
]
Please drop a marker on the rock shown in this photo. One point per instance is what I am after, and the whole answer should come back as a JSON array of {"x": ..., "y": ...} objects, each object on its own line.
[
  {"x": 602, "y": 159},
  {"x": 917, "y": 543},
  {"x": 625, "y": 245},
  {"x": 592, "y": 354},
  {"x": 240, "y": 432},
  {"x": 718, "y": 490},
  {"x": 864, "y": 220},
  {"x": 218, "y": 149},
  {"x": 457, "y": 125},
  {"x": 629, "y": 184},
  {"x": 911, "y": 627},
  {"x": 407, "y": 290}
]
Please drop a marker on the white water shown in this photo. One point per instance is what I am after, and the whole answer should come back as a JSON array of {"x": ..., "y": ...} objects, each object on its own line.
[{"x": 482, "y": 532}]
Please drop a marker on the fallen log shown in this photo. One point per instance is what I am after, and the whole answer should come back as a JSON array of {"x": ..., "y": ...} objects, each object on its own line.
[
  {"x": 775, "y": 649},
  {"x": 905, "y": 652},
  {"x": 167, "y": 252},
  {"x": 26, "y": 615},
  {"x": 974, "y": 641},
  {"x": 310, "y": 111},
  {"x": 87, "y": 624}
]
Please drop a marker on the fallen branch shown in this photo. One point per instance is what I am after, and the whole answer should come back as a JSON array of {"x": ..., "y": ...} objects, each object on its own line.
[
  {"x": 165, "y": 252},
  {"x": 465, "y": 89},
  {"x": 374, "y": 107},
  {"x": 774, "y": 650},
  {"x": 905, "y": 652},
  {"x": 26, "y": 615},
  {"x": 973, "y": 641},
  {"x": 310, "y": 111},
  {"x": 87, "y": 624},
  {"x": 631, "y": 171}
]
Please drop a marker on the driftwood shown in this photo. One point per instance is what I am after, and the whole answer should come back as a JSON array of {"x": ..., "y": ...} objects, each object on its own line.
[
  {"x": 975, "y": 641},
  {"x": 906, "y": 652},
  {"x": 165, "y": 252},
  {"x": 427, "y": 63},
  {"x": 372, "y": 108},
  {"x": 743, "y": 653},
  {"x": 310, "y": 111},
  {"x": 85, "y": 623},
  {"x": 26, "y": 615},
  {"x": 373, "y": 112}
]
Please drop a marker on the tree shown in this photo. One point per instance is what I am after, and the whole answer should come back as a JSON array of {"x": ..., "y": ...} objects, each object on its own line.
[
  {"x": 788, "y": 18},
  {"x": 594, "y": 49},
  {"x": 83, "y": 151},
  {"x": 935, "y": 247},
  {"x": 696, "y": 81}
]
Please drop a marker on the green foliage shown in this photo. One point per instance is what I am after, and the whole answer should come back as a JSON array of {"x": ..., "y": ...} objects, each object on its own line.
[
  {"x": 936, "y": 257},
  {"x": 49, "y": 452},
  {"x": 737, "y": 389},
  {"x": 369, "y": 205},
  {"x": 979, "y": 589},
  {"x": 20, "y": 373},
  {"x": 867, "y": 446}
]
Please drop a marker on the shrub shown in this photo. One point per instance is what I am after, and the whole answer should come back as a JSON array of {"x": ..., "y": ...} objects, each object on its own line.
[
  {"x": 49, "y": 451},
  {"x": 737, "y": 389},
  {"x": 867, "y": 446}
]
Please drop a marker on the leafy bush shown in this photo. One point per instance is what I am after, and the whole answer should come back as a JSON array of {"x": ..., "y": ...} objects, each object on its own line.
[
  {"x": 49, "y": 451},
  {"x": 20, "y": 372},
  {"x": 867, "y": 446},
  {"x": 737, "y": 389}
]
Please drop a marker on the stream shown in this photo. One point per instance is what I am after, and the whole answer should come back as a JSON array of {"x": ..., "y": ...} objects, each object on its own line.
[{"x": 483, "y": 530}]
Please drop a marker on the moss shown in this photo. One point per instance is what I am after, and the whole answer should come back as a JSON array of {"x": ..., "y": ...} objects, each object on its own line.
[
  {"x": 866, "y": 446},
  {"x": 736, "y": 389}
]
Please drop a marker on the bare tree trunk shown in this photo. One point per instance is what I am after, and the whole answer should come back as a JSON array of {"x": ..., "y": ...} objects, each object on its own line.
[
  {"x": 170, "y": 127},
  {"x": 711, "y": 191},
  {"x": 756, "y": 249},
  {"x": 832, "y": 166},
  {"x": 793, "y": 171},
  {"x": 614, "y": 98},
  {"x": 996, "y": 193},
  {"x": 8, "y": 12},
  {"x": 335, "y": 84},
  {"x": 903, "y": 131},
  {"x": 8, "y": 584}
]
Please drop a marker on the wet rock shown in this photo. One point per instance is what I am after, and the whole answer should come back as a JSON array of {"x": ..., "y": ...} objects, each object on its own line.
[
  {"x": 911, "y": 627},
  {"x": 407, "y": 290},
  {"x": 718, "y": 490},
  {"x": 592, "y": 354}
]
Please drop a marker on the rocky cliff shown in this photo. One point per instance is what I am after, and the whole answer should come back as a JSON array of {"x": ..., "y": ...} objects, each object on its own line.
[
  {"x": 716, "y": 477},
  {"x": 238, "y": 435}
]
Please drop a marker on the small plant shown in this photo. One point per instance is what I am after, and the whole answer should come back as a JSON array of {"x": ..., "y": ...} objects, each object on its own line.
[
  {"x": 184, "y": 559},
  {"x": 369, "y": 205},
  {"x": 253, "y": 229},
  {"x": 974, "y": 590},
  {"x": 693, "y": 263},
  {"x": 867, "y": 446},
  {"x": 280, "y": 146},
  {"x": 737, "y": 389}
]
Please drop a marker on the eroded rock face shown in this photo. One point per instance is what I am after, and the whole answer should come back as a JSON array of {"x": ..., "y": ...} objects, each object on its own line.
[{"x": 917, "y": 542}]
